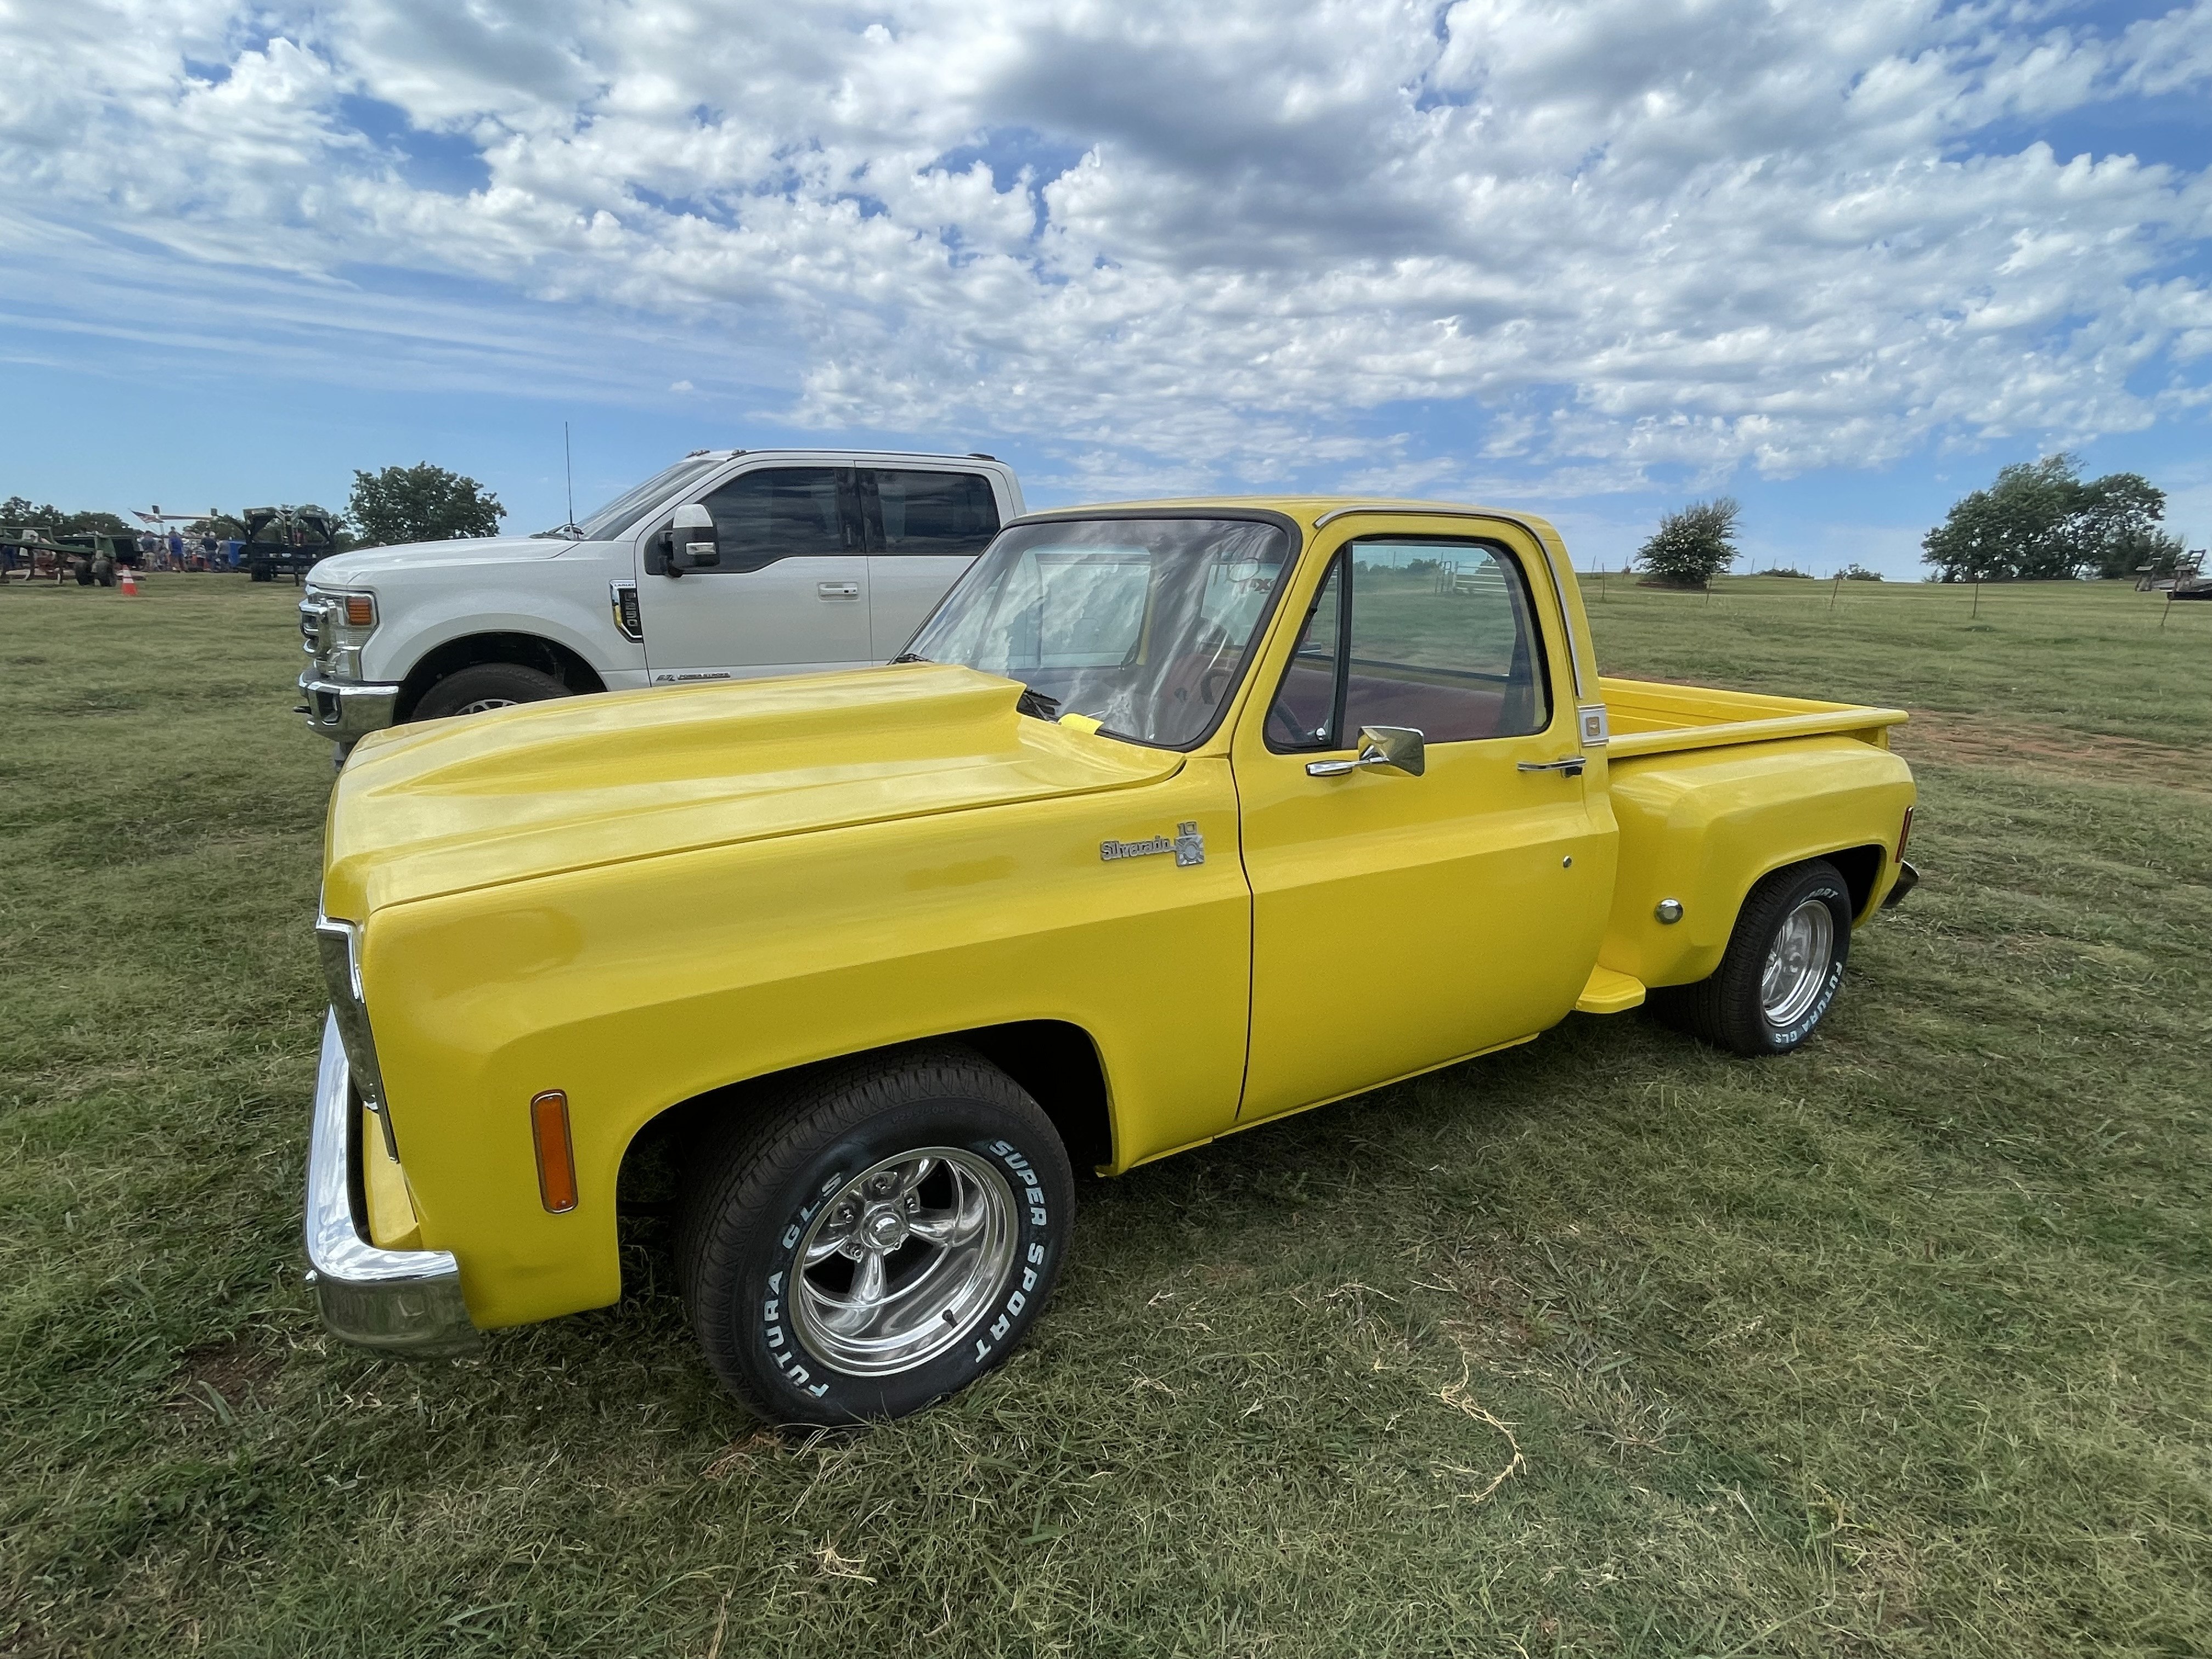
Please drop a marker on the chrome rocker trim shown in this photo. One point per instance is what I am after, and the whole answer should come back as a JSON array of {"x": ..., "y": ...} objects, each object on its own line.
[
  {"x": 401, "y": 1301},
  {"x": 343, "y": 711}
]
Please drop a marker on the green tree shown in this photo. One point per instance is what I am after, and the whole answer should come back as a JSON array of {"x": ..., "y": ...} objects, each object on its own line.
[
  {"x": 422, "y": 503},
  {"x": 20, "y": 510},
  {"x": 1692, "y": 546},
  {"x": 2042, "y": 520}
]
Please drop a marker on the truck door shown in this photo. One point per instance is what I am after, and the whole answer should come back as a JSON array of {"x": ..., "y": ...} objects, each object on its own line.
[
  {"x": 791, "y": 592},
  {"x": 925, "y": 528},
  {"x": 1400, "y": 922}
]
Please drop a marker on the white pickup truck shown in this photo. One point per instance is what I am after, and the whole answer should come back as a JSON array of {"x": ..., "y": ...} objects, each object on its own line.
[{"x": 822, "y": 559}]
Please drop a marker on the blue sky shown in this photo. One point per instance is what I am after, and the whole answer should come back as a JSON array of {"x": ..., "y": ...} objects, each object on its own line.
[{"x": 1592, "y": 260}]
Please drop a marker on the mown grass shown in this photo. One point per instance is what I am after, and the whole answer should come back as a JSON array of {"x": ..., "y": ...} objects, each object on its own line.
[{"x": 1610, "y": 1345}]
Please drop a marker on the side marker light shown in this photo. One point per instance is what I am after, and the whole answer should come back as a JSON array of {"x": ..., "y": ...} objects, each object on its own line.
[
  {"x": 556, "y": 1160},
  {"x": 1905, "y": 835}
]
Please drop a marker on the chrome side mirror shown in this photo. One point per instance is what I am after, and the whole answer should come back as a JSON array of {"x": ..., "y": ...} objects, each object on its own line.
[
  {"x": 692, "y": 542},
  {"x": 1399, "y": 747}
]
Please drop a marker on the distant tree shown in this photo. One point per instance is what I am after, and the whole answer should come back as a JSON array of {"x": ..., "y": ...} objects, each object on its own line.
[
  {"x": 1855, "y": 572},
  {"x": 1692, "y": 546},
  {"x": 2041, "y": 521},
  {"x": 20, "y": 510},
  {"x": 422, "y": 503},
  {"x": 1785, "y": 570}
]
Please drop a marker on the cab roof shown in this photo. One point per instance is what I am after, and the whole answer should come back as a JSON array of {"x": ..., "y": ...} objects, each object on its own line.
[{"x": 1307, "y": 511}]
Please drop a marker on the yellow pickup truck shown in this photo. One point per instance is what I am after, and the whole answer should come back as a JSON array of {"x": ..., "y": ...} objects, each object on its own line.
[{"x": 1174, "y": 818}]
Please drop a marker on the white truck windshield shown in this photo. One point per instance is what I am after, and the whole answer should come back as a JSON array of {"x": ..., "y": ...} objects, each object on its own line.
[
  {"x": 1142, "y": 624},
  {"x": 618, "y": 515}
]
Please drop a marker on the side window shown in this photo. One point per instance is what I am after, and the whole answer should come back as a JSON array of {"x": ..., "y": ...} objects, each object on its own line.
[
  {"x": 1439, "y": 636},
  {"x": 779, "y": 513},
  {"x": 1304, "y": 714},
  {"x": 952, "y": 513},
  {"x": 1442, "y": 640}
]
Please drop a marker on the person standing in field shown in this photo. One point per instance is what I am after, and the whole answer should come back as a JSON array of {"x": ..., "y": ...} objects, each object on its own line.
[{"x": 176, "y": 550}]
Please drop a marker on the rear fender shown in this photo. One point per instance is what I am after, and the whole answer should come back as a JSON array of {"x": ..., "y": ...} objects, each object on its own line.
[{"x": 1702, "y": 827}]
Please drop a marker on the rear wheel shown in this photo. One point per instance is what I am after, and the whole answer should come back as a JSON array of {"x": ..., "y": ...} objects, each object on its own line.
[
  {"x": 486, "y": 685},
  {"x": 1782, "y": 967},
  {"x": 878, "y": 1239}
]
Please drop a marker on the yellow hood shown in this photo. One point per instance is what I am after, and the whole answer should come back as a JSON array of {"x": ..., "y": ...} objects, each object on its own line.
[{"x": 527, "y": 792}]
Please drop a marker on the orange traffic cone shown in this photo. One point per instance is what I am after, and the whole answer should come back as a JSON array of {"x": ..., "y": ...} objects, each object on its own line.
[{"x": 130, "y": 582}]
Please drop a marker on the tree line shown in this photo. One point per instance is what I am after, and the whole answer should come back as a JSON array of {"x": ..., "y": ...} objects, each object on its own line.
[
  {"x": 2042, "y": 520},
  {"x": 385, "y": 509},
  {"x": 2039, "y": 521}
]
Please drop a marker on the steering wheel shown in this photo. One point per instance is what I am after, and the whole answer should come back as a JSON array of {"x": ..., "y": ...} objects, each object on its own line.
[{"x": 1290, "y": 736}]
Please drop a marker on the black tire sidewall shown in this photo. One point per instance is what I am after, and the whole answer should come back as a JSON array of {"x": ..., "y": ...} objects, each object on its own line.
[
  {"x": 780, "y": 1373},
  {"x": 514, "y": 680},
  {"x": 1821, "y": 881}
]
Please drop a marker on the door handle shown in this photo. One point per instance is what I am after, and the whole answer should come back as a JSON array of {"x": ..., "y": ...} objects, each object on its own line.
[
  {"x": 837, "y": 590},
  {"x": 1572, "y": 766}
]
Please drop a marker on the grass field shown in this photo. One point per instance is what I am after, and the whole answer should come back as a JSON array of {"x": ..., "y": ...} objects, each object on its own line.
[{"x": 1609, "y": 1345}]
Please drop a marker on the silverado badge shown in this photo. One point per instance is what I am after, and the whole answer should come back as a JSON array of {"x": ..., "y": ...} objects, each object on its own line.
[{"x": 1188, "y": 846}]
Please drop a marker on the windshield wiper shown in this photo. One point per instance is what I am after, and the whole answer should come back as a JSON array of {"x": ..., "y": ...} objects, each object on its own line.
[
  {"x": 559, "y": 533},
  {"x": 906, "y": 656},
  {"x": 1037, "y": 703}
]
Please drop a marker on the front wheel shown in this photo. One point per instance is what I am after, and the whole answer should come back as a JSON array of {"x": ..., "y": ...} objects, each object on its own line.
[
  {"x": 876, "y": 1241},
  {"x": 1782, "y": 967},
  {"x": 486, "y": 685}
]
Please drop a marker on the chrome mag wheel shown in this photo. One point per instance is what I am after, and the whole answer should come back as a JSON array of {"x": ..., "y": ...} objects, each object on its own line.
[
  {"x": 1797, "y": 963},
  {"x": 483, "y": 704},
  {"x": 904, "y": 1261}
]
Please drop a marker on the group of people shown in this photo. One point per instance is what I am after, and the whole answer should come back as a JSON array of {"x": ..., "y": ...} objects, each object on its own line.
[{"x": 174, "y": 551}]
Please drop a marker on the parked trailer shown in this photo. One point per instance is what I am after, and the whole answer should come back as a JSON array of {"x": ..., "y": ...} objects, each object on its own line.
[{"x": 286, "y": 540}]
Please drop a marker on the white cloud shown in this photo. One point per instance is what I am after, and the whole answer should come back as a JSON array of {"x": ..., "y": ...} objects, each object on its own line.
[{"x": 1180, "y": 245}]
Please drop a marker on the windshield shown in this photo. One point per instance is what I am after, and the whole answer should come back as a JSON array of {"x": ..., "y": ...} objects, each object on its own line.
[
  {"x": 618, "y": 515},
  {"x": 1142, "y": 624}
]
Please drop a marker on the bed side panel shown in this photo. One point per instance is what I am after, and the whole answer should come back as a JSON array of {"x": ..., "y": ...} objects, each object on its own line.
[{"x": 1705, "y": 825}]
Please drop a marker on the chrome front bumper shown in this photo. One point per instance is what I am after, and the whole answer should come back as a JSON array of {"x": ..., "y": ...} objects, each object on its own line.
[
  {"x": 404, "y": 1302},
  {"x": 1908, "y": 878},
  {"x": 343, "y": 711}
]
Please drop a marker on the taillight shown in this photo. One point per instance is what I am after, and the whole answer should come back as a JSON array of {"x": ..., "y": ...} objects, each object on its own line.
[
  {"x": 1905, "y": 835},
  {"x": 556, "y": 1161}
]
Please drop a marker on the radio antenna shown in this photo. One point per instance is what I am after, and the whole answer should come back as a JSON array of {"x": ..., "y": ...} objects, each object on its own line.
[{"x": 569, "y": 471}]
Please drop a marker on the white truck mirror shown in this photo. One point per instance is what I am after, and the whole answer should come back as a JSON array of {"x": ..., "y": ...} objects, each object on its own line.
[{"x": 691, "y": 541}]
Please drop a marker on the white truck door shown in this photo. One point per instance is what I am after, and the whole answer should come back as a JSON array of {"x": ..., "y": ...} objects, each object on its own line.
[
  {"x": 791, "y": 593},
  {"x": 926, "y": 526}
]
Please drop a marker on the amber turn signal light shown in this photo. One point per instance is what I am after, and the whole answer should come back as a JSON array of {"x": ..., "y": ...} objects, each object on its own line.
[
  {"x": 557, "y": 1162},
  {"x": 361, "y": 611}
]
